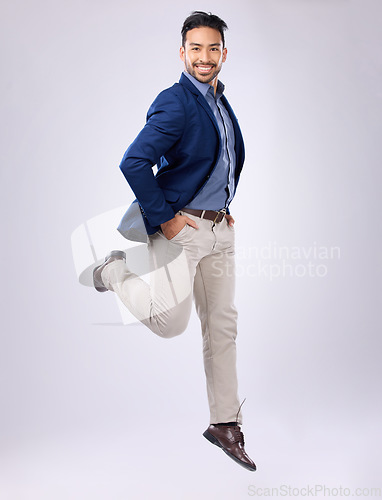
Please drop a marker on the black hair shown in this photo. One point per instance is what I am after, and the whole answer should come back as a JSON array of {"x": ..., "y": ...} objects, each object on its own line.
[{"x": 198, "y": 19}]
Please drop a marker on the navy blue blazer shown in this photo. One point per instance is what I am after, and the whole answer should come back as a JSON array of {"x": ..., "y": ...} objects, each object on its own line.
[{"x": 182, "y": 138}]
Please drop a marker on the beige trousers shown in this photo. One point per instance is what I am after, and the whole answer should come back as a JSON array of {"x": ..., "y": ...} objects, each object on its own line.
[{"x": 197, "y": 263}]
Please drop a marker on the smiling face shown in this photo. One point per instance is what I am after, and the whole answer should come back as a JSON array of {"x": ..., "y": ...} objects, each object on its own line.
[{"x": 203, "y": 54}]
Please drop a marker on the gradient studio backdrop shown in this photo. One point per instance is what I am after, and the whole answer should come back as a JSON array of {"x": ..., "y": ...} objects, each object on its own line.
[{"x": 92, "y": 409}]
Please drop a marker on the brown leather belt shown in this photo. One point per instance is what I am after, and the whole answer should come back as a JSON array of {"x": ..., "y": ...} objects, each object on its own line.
[{"x": 215, "y": 216}]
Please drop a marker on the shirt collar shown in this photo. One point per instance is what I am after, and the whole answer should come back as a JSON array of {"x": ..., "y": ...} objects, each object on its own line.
[{"x": 205, "y": 87}]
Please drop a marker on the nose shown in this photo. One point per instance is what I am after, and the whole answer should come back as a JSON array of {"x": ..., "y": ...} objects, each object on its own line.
[{"x": 203, "y": 56}]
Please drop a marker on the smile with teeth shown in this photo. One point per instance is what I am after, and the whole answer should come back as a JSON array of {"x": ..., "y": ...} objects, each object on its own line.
[{"x": 204, "y": 69}]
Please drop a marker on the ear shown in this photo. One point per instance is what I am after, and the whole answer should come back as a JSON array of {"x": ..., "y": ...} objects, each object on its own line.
[
  {"x": 224, "y": 54},
  {"x": 181, "y": 53}
]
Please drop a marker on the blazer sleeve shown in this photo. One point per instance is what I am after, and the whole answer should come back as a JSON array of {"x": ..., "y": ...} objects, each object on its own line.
[{"x": 164, "y": 127}]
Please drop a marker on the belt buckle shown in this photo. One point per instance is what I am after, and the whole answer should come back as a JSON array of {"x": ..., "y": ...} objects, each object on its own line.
[{"x": 217, "y": 215}]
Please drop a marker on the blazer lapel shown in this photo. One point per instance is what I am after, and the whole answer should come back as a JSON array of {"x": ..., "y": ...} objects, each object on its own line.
[{"x": 201, "y": 100}]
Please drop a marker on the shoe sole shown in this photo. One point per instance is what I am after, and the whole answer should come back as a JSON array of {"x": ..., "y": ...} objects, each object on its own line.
[
  {"x": 98, "y": 288},
  {"x": 212, "y": 439},
  {"x": 114, "y": 253},
  {"x": 95, "y": 283}
]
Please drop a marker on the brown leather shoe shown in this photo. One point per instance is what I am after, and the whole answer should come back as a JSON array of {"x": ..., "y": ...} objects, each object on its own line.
[
  {"x": 231, "y": 440},
  {"x": 97, "y": 279}
]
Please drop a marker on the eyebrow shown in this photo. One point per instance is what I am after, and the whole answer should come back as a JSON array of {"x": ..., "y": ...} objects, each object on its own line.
[{"x": 210, "y": 45}]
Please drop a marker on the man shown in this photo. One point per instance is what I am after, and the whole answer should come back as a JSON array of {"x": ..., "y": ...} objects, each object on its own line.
[{"x": 193, "y": 136}]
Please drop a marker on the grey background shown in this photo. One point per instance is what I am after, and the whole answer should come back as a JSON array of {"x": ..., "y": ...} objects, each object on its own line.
[{"x": 91, "y": 409}]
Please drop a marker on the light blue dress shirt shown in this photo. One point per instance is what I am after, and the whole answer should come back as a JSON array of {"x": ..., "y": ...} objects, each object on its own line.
[{"x": 218, "y": 191}]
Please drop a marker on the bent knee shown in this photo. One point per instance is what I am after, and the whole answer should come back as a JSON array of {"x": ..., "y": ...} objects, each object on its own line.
[
  {"x": 172, "y": 325},
  {"x": 172, "y": 330}
]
